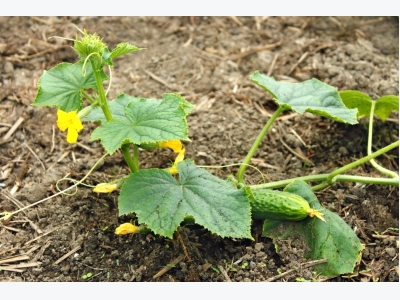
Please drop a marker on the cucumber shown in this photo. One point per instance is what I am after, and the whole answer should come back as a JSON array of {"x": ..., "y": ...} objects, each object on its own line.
[{"x": 274, "y": 204}]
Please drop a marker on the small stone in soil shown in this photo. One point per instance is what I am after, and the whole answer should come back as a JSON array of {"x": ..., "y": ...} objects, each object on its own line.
[
  {"x": 391, "y": 252},
  {"x": 247, "y": 280},
  {"x": 260, "y": 254},
  {"x": 258, "y": 247},
  {"x": 343, "y": 151}
]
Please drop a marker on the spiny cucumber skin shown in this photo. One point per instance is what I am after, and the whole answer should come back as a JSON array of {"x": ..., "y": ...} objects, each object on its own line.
[{"x": 272, "y": 204}]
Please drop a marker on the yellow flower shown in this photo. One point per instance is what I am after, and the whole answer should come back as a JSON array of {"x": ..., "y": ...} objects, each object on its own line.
[
  {"x": 126, "y": 228},
  {"x": 70, "y": 121},
  {"x": 105, "y": 188},
  {"x": 175, "y": 145},
  {"x": 179, "y": 158}
]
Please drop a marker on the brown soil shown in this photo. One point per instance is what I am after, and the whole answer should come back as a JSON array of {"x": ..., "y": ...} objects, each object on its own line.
[{"x": 208, "y": 61}]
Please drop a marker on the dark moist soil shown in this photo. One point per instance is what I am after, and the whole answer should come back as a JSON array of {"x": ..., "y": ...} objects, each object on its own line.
[{"x": 208, "y": 61}]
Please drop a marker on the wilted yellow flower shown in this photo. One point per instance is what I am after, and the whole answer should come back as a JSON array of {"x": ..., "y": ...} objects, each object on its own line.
[
  {"x": 105, "y": 188},
  {"x": 175, "y": 145},
  {"x": 316, "y": 213},
  {"x": 126, "y": 228},
  {"x": 70, "y": 121},
  {"x": 180, "y": 157}
]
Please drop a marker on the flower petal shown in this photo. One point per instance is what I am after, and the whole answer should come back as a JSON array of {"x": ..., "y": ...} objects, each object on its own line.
[
  {"x": 63, "y": 121},
  {"x": 180, "y": 156},
  {"x": 70, "y": 121},
  {"x": 173, "y": 170},
  {"x": 72, "y": 135},
  {"x": 76, "y": 123},
  {"x": 175, "y": 145}
]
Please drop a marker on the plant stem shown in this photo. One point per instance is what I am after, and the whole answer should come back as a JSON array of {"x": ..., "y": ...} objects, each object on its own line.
[
  {"x": 322, "y": 177},
  {"x": 136, "y": 156},
  {"x": 359, "y": 179},
  {"x": 133, "y": 165},
  {"x": 358, "y": 162},
  {"x": 257, "y": 142},
  {"x": 128, "y": 158},
  {"x": 334, "y": 176},
  {"x": 103, "y": 100},
  {"x": 369, "y": 146},
  {"x": 283, "y": 183}
]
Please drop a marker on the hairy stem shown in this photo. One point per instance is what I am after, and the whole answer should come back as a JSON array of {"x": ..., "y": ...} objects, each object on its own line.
[
  {"x": 103, "y": 100},
  {"x": 128, "y": 158}
]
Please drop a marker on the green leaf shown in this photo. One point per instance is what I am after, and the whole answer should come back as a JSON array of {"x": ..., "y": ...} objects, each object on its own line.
[
  {"x": 385, "y": 105},
  {"x": 145, "y": 121},
  {"x": 61, "y": 86},
  {"x": 333, "y": 240},
  {"x": 118, "y": 105},
  {"x": 187, "y": 106},
  {"x": 121, "y": 49},
  {"x": 357, "y": 99},
  {"x": 311, "y": 95},
  {"x": 162, "y": 203},
  {"x": 124, "y": 48}
]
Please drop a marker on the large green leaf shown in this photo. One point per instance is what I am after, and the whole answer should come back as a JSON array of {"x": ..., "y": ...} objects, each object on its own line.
[
  {"x": 145, "y": 121},
  {"x": 333, "y": 240},
  {"x": 311, "y": 95},
  {"x": 383, "y": 105},
  {"x": 118, "y": 105},
  {"x": 162, "y": 203},
  {"x": 61, "y": 86}
]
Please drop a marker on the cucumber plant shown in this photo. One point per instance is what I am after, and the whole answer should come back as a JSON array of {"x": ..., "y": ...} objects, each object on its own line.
[{"x": 162, "y": 199}]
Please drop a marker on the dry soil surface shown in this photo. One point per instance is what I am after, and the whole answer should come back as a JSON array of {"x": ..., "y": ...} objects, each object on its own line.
[{"x": 208, "y": 61}]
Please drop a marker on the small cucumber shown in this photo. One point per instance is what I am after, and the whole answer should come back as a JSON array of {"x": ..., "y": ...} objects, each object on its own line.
[{"x": 274, "y": 204}]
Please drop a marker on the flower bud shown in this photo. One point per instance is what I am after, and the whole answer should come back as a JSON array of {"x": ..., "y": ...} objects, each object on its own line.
[
  {"x": 126, "y": 228},
  {"x": 89, "y": 43},
  {"x": 105, "y": 188}
]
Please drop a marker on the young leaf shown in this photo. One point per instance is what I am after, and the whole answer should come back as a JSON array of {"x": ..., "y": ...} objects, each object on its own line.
[
  {"x": 333, "y": 240},
  {"x": 118, "y": 105},
  {"x": 311, "y": 95},
  {"x": 145, "y": 121},
  {"x": 187, "y": 106},
  {"x": 162, "y": 203},
  {"x": 121, "y": 49},
  {"x": 385, "y": 105},
  {"x": 124, "y": 48},
  {"x": 61, "y": 86},
  {"x": 357, "y": 99}
]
